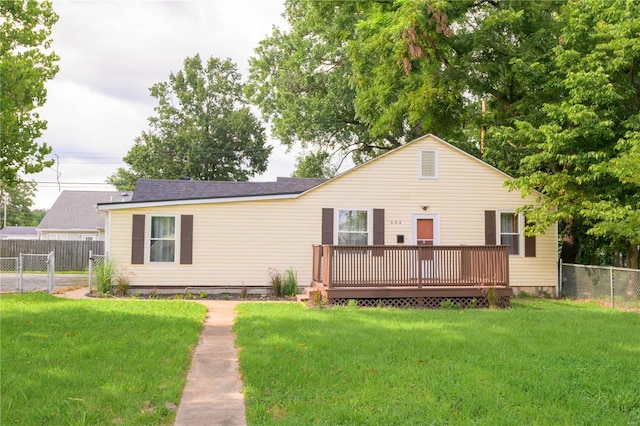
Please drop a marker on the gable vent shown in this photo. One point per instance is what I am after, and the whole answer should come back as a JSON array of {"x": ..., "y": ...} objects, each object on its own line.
[{"x": 428, "y": 164}]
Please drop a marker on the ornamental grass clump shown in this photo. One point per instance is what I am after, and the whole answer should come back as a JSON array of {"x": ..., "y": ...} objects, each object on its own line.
[
  {"x": 105, "y": 274},
  {"x": 290, "y": 283}
]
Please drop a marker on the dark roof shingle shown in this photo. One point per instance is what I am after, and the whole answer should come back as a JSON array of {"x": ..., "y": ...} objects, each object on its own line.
[{"x": 171, "y": 190}]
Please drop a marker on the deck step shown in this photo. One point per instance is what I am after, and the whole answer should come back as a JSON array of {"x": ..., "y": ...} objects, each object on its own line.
[{"x": 307, "y": 294}]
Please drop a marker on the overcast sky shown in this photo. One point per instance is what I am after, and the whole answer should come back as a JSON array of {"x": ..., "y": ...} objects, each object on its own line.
[{"x": 111, "y": 52}]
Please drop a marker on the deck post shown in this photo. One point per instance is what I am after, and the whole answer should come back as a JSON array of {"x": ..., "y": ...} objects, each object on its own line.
[
  {"x": 419, "y": 268},
  {"x": 326, "y": 269}
]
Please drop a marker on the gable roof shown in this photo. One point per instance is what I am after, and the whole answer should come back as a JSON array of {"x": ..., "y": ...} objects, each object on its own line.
[
  {"x": 174, "y": 190},
  {"x": 237, "y": 193},
  {"x": 77, "y": 210},
  {"x": 19, "y": 231}
]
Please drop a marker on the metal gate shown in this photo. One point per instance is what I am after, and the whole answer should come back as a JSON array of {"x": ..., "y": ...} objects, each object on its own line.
[{"x": 28, "y": 272}]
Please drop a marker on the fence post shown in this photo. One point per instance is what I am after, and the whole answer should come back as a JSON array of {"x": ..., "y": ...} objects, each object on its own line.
[
  {"x": 20, "y": 273},
  {"x": 611, "y": 285},
  {"x": 90, "y": 268},
  {"x": 559, "y": 286},
  {"x": 51, "y": 267}
]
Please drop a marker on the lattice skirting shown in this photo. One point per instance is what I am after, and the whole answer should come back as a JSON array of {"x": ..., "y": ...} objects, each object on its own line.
[{"x": 425, "y": 302}]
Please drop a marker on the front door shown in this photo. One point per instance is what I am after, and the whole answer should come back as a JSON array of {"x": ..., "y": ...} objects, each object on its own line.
[{"x": 425, "y": 233}]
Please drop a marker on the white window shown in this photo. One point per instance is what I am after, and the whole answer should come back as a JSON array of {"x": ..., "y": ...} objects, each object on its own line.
[
  {"x": 88, "y": 237},
  {"x": 428, "y": 164},
  {"x": 57, "y": 237},
  {"x": 162, "y": 239},
  {"x": 353, "y": 227},
  {"x": 510, "y": 231}
]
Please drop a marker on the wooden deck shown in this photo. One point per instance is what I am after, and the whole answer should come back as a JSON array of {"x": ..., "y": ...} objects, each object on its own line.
[{"x": 417, "y": 276}]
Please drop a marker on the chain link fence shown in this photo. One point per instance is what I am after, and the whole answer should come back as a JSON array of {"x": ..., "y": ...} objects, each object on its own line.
[
  {"x": 28, "y": 272},
  {"x": 95, "y": 261},
  {"x": 618, "y": 287}
]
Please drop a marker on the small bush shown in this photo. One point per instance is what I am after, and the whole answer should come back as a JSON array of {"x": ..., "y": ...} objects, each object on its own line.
[
  {"x": 352, "y": 303},
  {"x": 154, "y": 294},
  {"x": 449, "y": 304},
  {"x": 317, "y": 299},
  {"x": 203, "y": 295},
  {"x": 276, "y": 281},
  {"x": 244, "y": 292},
  {"x": 290, "y": 283},
  {"x": 122, "y": 284}
]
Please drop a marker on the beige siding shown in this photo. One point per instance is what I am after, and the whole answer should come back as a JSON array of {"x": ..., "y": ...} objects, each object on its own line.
[{"x": 236, "y": 243}]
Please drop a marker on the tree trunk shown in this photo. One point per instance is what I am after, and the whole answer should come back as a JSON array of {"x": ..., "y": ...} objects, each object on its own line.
[
  {"x": 569, "y": 252},
  {"x": 632, "y": 256}
]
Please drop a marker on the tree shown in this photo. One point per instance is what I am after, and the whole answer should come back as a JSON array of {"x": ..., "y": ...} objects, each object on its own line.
[
  {"x": 19, "y": 202},
  {"x": 366, "y": 77},
  {"x": 585, "y": 160},
  {"x": 315, "y": 164},
  {"x": 300, "y": 79},
  {"x": 25, "y": 66},
  {"x": 202, "y": 129}
]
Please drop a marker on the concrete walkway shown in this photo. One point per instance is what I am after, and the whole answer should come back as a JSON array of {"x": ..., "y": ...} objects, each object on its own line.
[{"x": 213, "y": 394}]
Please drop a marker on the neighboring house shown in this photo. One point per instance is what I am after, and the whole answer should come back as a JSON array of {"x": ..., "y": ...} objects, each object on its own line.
[
  {"x": 74, "y": 215},
  {"x": 19, "y": 233},
  {"x": 228, "y": 234}
]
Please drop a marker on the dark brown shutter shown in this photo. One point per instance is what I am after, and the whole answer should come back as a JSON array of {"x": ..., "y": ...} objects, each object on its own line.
[
  {"x": 489, "y": 227},
  {"x": 186, "y": 239},
  {"x": 529, "y": 244},
  {"x": 378, "y": 227},
  {"x": 137, "y": 239},
  {"x": 327, "y": 226}
]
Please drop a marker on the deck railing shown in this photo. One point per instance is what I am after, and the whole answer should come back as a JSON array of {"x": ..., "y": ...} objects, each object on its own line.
[{"x": 394, "y": 266}]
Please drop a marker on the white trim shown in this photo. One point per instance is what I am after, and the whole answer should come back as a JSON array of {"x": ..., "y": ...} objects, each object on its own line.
[
  {"x": 147, "y": 239},
  {"x": 520, "y": 230},
  {"x": 436, "y": 227},
  {"x": 134, "y": 205},
  {"x": 435, "y": 163},
  {"x": 336, "y": 222}
]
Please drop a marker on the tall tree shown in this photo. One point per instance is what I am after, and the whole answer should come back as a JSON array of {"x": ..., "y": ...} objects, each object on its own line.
[
  {"x": 19, "y": 200},
  {"x": 25, "y": 65},
  {"x": 203, "y": 129},
  {"x": 314, "y": 164},
  {"x": 587, "y": 151},
  {"x": 300, "y": 78},
  {"x": 367, "y": 76}
]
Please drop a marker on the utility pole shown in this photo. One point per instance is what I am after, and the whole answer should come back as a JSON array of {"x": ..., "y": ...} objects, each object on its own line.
[{"x": 5, "y": 203}]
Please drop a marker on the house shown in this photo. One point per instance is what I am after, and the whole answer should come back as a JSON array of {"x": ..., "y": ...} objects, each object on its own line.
[
  {"x": 19, "y": 233},
  {"x": 444, "y": 209},
  {"x": 74, "y": 215}
]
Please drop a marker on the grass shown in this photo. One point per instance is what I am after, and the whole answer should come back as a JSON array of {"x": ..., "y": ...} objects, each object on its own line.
[
  {"x": 541, "y": 362},
  {"x": 78, "y": 362}
]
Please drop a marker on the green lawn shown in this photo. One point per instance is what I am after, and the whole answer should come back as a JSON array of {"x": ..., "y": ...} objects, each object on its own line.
[
  {"x": 89, "y": 362},
  {"x": 541, "y": 362}
]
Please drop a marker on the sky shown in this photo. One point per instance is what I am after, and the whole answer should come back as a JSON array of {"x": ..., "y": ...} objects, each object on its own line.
[{"x": 111, "y": 53}]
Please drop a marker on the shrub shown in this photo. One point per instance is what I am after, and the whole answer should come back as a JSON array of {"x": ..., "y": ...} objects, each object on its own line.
[
  {"x": 122, "y": 284},
  {"x": 352, "y": 303},
  {"x": 290, "y": 283},
  {"x": 204, "y": 294},
  {"x": 276, "y": 281},
  {"x": 449, "y": 304}
]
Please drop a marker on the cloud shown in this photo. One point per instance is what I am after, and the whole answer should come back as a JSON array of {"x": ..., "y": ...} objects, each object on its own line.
[{"x": 111, "y": 52}]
